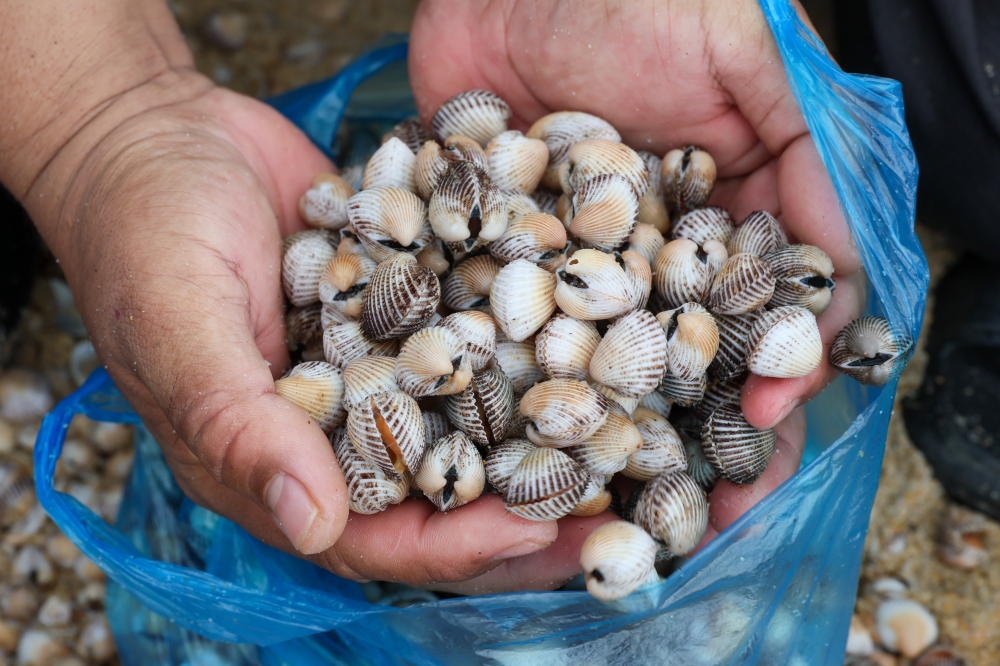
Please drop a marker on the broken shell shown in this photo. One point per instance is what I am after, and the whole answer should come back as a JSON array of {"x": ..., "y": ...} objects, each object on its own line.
[
  {"x": 962, "y": 538},
  {"x": 305, "y": 257},
  {"x": 517, "y": 360},
  {"x": 478, "y": 114},
  {"x": 784, "y": 342},
  {"x": 705, "y": 224},
  {"x": 411, "y": 132},
  {"x": 758, "y": 234},
  {"x": 632, "y": 357},
  {"x": 17, "y": 492},
  {"x": 591, "y": 158},
  {"x": 436, "y": 426},
  {"x": 607, "y": 451},
  {"x": 652, "y": 210},
  {"x": 687, "y": 178},
  {"x": 392, "y": 165},
  {"x": 318, "y": 389},
  {"x": 868, "y": 351},
  {"x": 802, "y": 277},
  {"x": 674, "y": 510},
  {"x": 683, "y": 271},
  {"x": 905, "y": 626},
  {"x": 743, "y": 284},
  {"x": 436, "y": 256},
  {"x": 692, "y": 340},
  {"x": 593, "y": 285},
  {"x": 545, "y": 485},
  {"x": 735, "y": 449},
  {"x": 468, "y": 286},
  {"x": 616, "y": 559},
  {"x": 368, "y": 376},
  {"x": 731, "y": 358},
  {"x": 343, "y": 282},
  {"x": 433, "y": 361},
  {"x": 479, "y": 332},
  {"x": 304, "y": 326},
  {"x": 698, "y": 467},
  {"x": 451, "y": 473},
  {"x": 467, "y": 209},
  {"x": 564, "y": 347},
  {"x": 563, "y": 412},
  {"x": 647, "y": 241},
  {"x": 562, "y": 130},
  {"x": 538, "y": 237},
  {"x": 324, "y": 205},
  {"x": 344, "y": 343},
  {"x": 661, "y": 449},
  {"x": 604, "y": 210},
  {"x": 370, "y": 489},
  {"x": 402, "y": 296},
  {"x": 596, "y": 498},
  {"x": 483, "y": 411},
  {"x": 388, "y": 221},
  {"x": 387, "y": 430},
  {"x": 523, "y": 298},
  {"x": 516, "y": 162},
  {"x": 503, "y": 459},
  {"x": 681, "y": 392}
]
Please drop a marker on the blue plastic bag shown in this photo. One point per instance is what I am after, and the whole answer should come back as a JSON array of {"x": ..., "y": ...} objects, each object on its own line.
[{"x": 777, "y": 587}]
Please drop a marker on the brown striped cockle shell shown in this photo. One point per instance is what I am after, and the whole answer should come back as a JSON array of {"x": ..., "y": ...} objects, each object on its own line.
[
  {"x": 652, "y": 210},
  {"x": 304, "y": 326},
  {"x": 389, "y": 220},
  {"x": 674, "y": 510},
  {"x": 451, "y": 473},
  {"x": 687, "y": 178},
  {"x": 803, "y": 276},
  {"x": 469, "y": 284},
  {"x": 483, "y": 411},
  {"x": 604, "y": 210},
  {"x": 503, "y": 459},
  {"x": 647, "y": 241},
  {"x": 433, "y": 361},
  {"x": 518, "y": 423},
  {"x": 562, "y": 130},
  {"x": 318, "y": 389},
  {"x": 324, "y": 205},
  {"x": 391, "y": 166},
  {"x": 370, "y": 489},
  {"x": 344, "y": 280},
  {"x": 758, "y": 234},
  {"x": 661, "y": 449},
  {"x": 306, "y": 255},
  {"x": 705, "y": 224},
  {"x": 632, "y": 357},
  {"x": 387, "y": 430},
  {"x": 517, "y": 360},
  {"x": 353, "y": 175},
  {"x": 523, "y": 298},
  {"x": 607, "y": 450},
  {"x": 683, "y": 271},
  {"x": 736, "y": 450},
  {"x": 545, "y": 485},
  {"x": 467, "y": 210},
  {"x": 596, "y": 498},
  {"x": 564, "y": 346},
  {"x": 436, "y": 426},
  {"x": 478, "y": 114},
  {"x": 344, "y": 343},
  {"x": 728, "y": 392},
  {"x": 616, "y": 559},
  {"x": 411, "y": 132},
  {"x": 681, "y": 392},
  {"x": 367, "y": 376},
  {"x": 546, "y": 200},
  {"x": 563, "y": 412},
  {"x": 538, "y": 237},
  {"x": 784, "y": 342},
  {"x": 435, "y": 256},
  {"x": 433, "y": 160},
  {"x": 479, "y": 331},
  {"x": 743, "y": 284},
  {"x": 402, "y": 297},
  {"x": 698, "y": 467},
  {"x": 516, "y": 163},
  {"x": 460, "y": 147},
  {"x": 593, "y": 285},
  {"x": 731, "y": 358},
  {"x": 868, "y": 351},
  {"x": 692, "y": 340},
  {"x": 591, "y": 158}
]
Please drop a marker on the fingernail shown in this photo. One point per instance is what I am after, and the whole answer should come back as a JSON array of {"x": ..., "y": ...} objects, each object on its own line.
[
  {"x": 782, "y": 414},
  {"x": 520, "y": 550},
  {"x": 291, "y": 507}
]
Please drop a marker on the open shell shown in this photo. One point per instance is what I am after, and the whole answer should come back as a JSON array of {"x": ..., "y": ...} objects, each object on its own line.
[
  {"x": 564, "y": 346},
  {"x": 743, "y": 284},
  {"x": 616, "y": 559},
  {"x": 604, "y": 211},
  {"x": 324, "y": 205},
  {"x": 607, "y": 451},
  {"x": 478, "y": 114},
  {"x": 758, "y": 234},
  {"x": 593, "y": 285},
  {"x": 467, "y": 210},
  {"x": 468, "y": 287},
  {"x": 803, "y": 276},
  {"x": 387, "y": 430},
  {"x": 391, "y": 166},
  {"x": 591, "y": 158},
  {"x": 306, "y": 255},
  {"x": 563, "y": 412},
  {"x": 784, "y": 342},
  {"x": 479, "y": 331},
  {"x": 687, "y": 178},
  {"x": 318, "y": 389},
  {"x": 483, "y": 411},
  {"x": 451, "y": 473},
  {"x": 631, "y": 359},
  {"x": 516, "y": 162},
  {"x": 368, "y": 376},
  {"x": 736, "y": 450},
  {"x": 538, "y": 237},
  {"x": 344, "y": 343},
  {"x": 522, "y": 297},
  {"x": 402, "y": 297},
  {"x": 705, "y": 224},
  {"x": 503, "y": 459},
  {"x": 692, "y": 340},
  {"x": 433, "y": 361},
  {"x": 661, "y": 451},
  {"x": 370, "y": 489},
  {"x": 674, "y": 510},
  {"x": 546, "y": 485},
  {"x": 389, "y": 220},
  {"x": 562, "y": 130},
  {"x": 343, "y": 282},
  {"x": 868, "y": 351}
]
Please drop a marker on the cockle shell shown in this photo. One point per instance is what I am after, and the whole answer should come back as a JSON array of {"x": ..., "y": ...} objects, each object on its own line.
[
  {"x": 652, "y": 210},
  {"x": 868, "y": 351},
  {"x": 367, "y": 376},
  {"x": 349, "y": 242},
  {"x": 478, "y": 114},
  {"x": 468, "y": 287},
  {"x": 961, "y": 538},
  {"x": 318, "y": 389},
  {"x": 803, "y": 276},
  {"x": 563, "y": 412},
  {"x": 331, "y": 316},
  {"x": 402, "y": 296},
  {"x": 727, "y": 392},
  {"x": 353, "y": 175},
  {"x": 451, "y": 473},
  {"x": 433, "y": 160},
  {"x": 591, "y": 158},
  {"x": 758, "y": 234},
  {"x": 483, "y": 411},
  {"x": 656, "y": 402},
  {"x": 632, "y": 357},
  {"x": 503, "y": 459},
  {"x": 517, "y": 360},
  {"x": 593, "y": 285},
  {"x": 698, "y": 466},
  {"x": 460, "y": 147},
  {"x": 616, "y": 559},
  {"x": 705, "y": 224},
  {"x": 411, "y": 132},
  {"x": 519, "y": 205},
  {"x": 683, "y": 271},
  {"x": 324, "y": 205},
  {"x": 392, "y": 165},
  {"x": 345, "y": 343},
  {"x": 626, "y": 402},
  {"x": 387, "y": 430},
  {"x": 467, "y": 209},
  {"x": 436, "y": 256},
  {"x": 563, "y": 129},
  {"x": 516, "y": 162},
  {"x": 564, "y": 209},
  {"x": 736, "y": 450},
  {"x": 692, "y": 340},
  {"x": 306, "y": 255},
  {"x": 608, "y": 449},
  {"x": 546, "y": 201},
  {"x": 304, "y": 326},
  {"x": 640, "y": 277},
  {"x": 661, "y": 449},
  {"x": 479, "y": 331},
  {"x": 731, "y": 358},
  {"x": 523, "y": 298},
  {"x": 687, "y": 178},
  {"x": 370, "y": 489},
  {"x": 784, "y": 342},
  {"x": 646, "y": 240},
  {"x": 680, "y": 392},
  {"x": 545, "y": 485},
  {"x": 389, "y": 220},
  {"x": 433, "y": 361},
  {"x": 564, "y": 346},
  {"x": 344, "y": 280},
  {"x": 604, "y": 210},
  {"x": 538, "y": 237},
  {"x": 596, "y": 498},
  {"x": 743, "y": 284},
  {"x": 674, "y": 510}
]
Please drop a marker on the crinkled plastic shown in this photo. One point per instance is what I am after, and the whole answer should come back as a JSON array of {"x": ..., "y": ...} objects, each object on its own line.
[{"x": 775, "y": 588}]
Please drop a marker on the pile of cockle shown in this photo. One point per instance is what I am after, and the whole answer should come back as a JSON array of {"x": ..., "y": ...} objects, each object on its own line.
[{"x": 484, "y": 309}]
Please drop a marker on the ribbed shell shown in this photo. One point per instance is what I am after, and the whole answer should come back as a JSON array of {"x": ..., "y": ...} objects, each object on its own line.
[
  {"x": 516, "y": 162},
  {"x": 478, "y": 114},
  {"x": 433, "y": 361},
  {"x": 563, "y": 412},
  {"x": 640, "y": 277},
  {"x": 784, "y": 342},
  {"x": 647, "y": 241},
  {"x": 460, "y": 147},
  {"x": 545, "y": 485},
  {"x": 468, "y": 286},
  {"x": 604, "y": 210},
  {"x": 661, "y": 449},
  {"x": 388, "y": 431},
  {"x": 365, "y": 377},
  {"x": 656, "y": 402},
  {"x": 343, "y": 282},
  {"x": 428, "y": 167},
  {"x": 596, "y": 498},
  {"x": 591, "y": 158},
  {"x": 517, "y": 360},
  {"x": 564, "y": 346},
  {"x": 692, "y": 340},
  {"x": 538, "y": 237},
  {"x": 483, "y": 411},
  {"x": 306, "y": 255},
  {"x": 698, "y": 467},
  {"x": 674, "y": 510},
  {"x": 391, "y": 166},
  {"x": 435, "y": 258},
  {"x": 370, "y": 489},
  {"x": 304, "y": 326},
  {"x": 616, "y": 559},
  {"x": 731, "y": 358},
  {"x": 631, "y": 359},
  {"x": 402, "y": 296},
  {"x": 607, "y": 450},
  {"x": 680, "y": 392},
  {"x": 626, "y": 402},
  {"x": 728, "y": 392},
  {"x": 522, "y": 297},
  {"x": 436, "y": 426},
  {"x": 519, "y": 205},
  {"x": 687, "y": 178},
  {"x": 561, "y": 130},
  {"x": 318, "y": 389},
  {"x": 802, "y": 277},
  {"x": 705, "y": 224},
  {"x": 331, "y": 316},
  {"x": 451, "y": 473},
  {"x": 411, "y": 132},
  {"x": 503, "y": 459},
  {"x": 479, "y": 331},
  {"x": 389, "y": 220},
  {"x": 345, "y": 343},
  {"x": 593, "y": 285},
  {"x": 467, "y": 209},
  {"x": 868, "y": 351},
  {"x": 546, "y": 201},
  {"x": 354, "y": 175},
  {"x": 652, "y": 210},
  {"x": 735, "y": 449},
  {"x": 324, "y": 205},
  {"x": 743, "y": 284},
  {"x": 758, "y": 234},
  {"x": 682, "y": 273}
]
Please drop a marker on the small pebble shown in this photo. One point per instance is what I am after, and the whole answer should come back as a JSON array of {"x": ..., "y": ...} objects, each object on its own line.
[
  {"x": 228, "y": 29},
  {"x": 20, "y": 603},
  {"x": 9, "y": 636},
  {"x": 31, "y": 565},
  {"x": 39, "y": 648},
  {"x": 55, "y": 612},
  {"x": 859, "y": 639},
  {"x": 8, "y": 437},
  {"x": 62, "y": 551}
]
